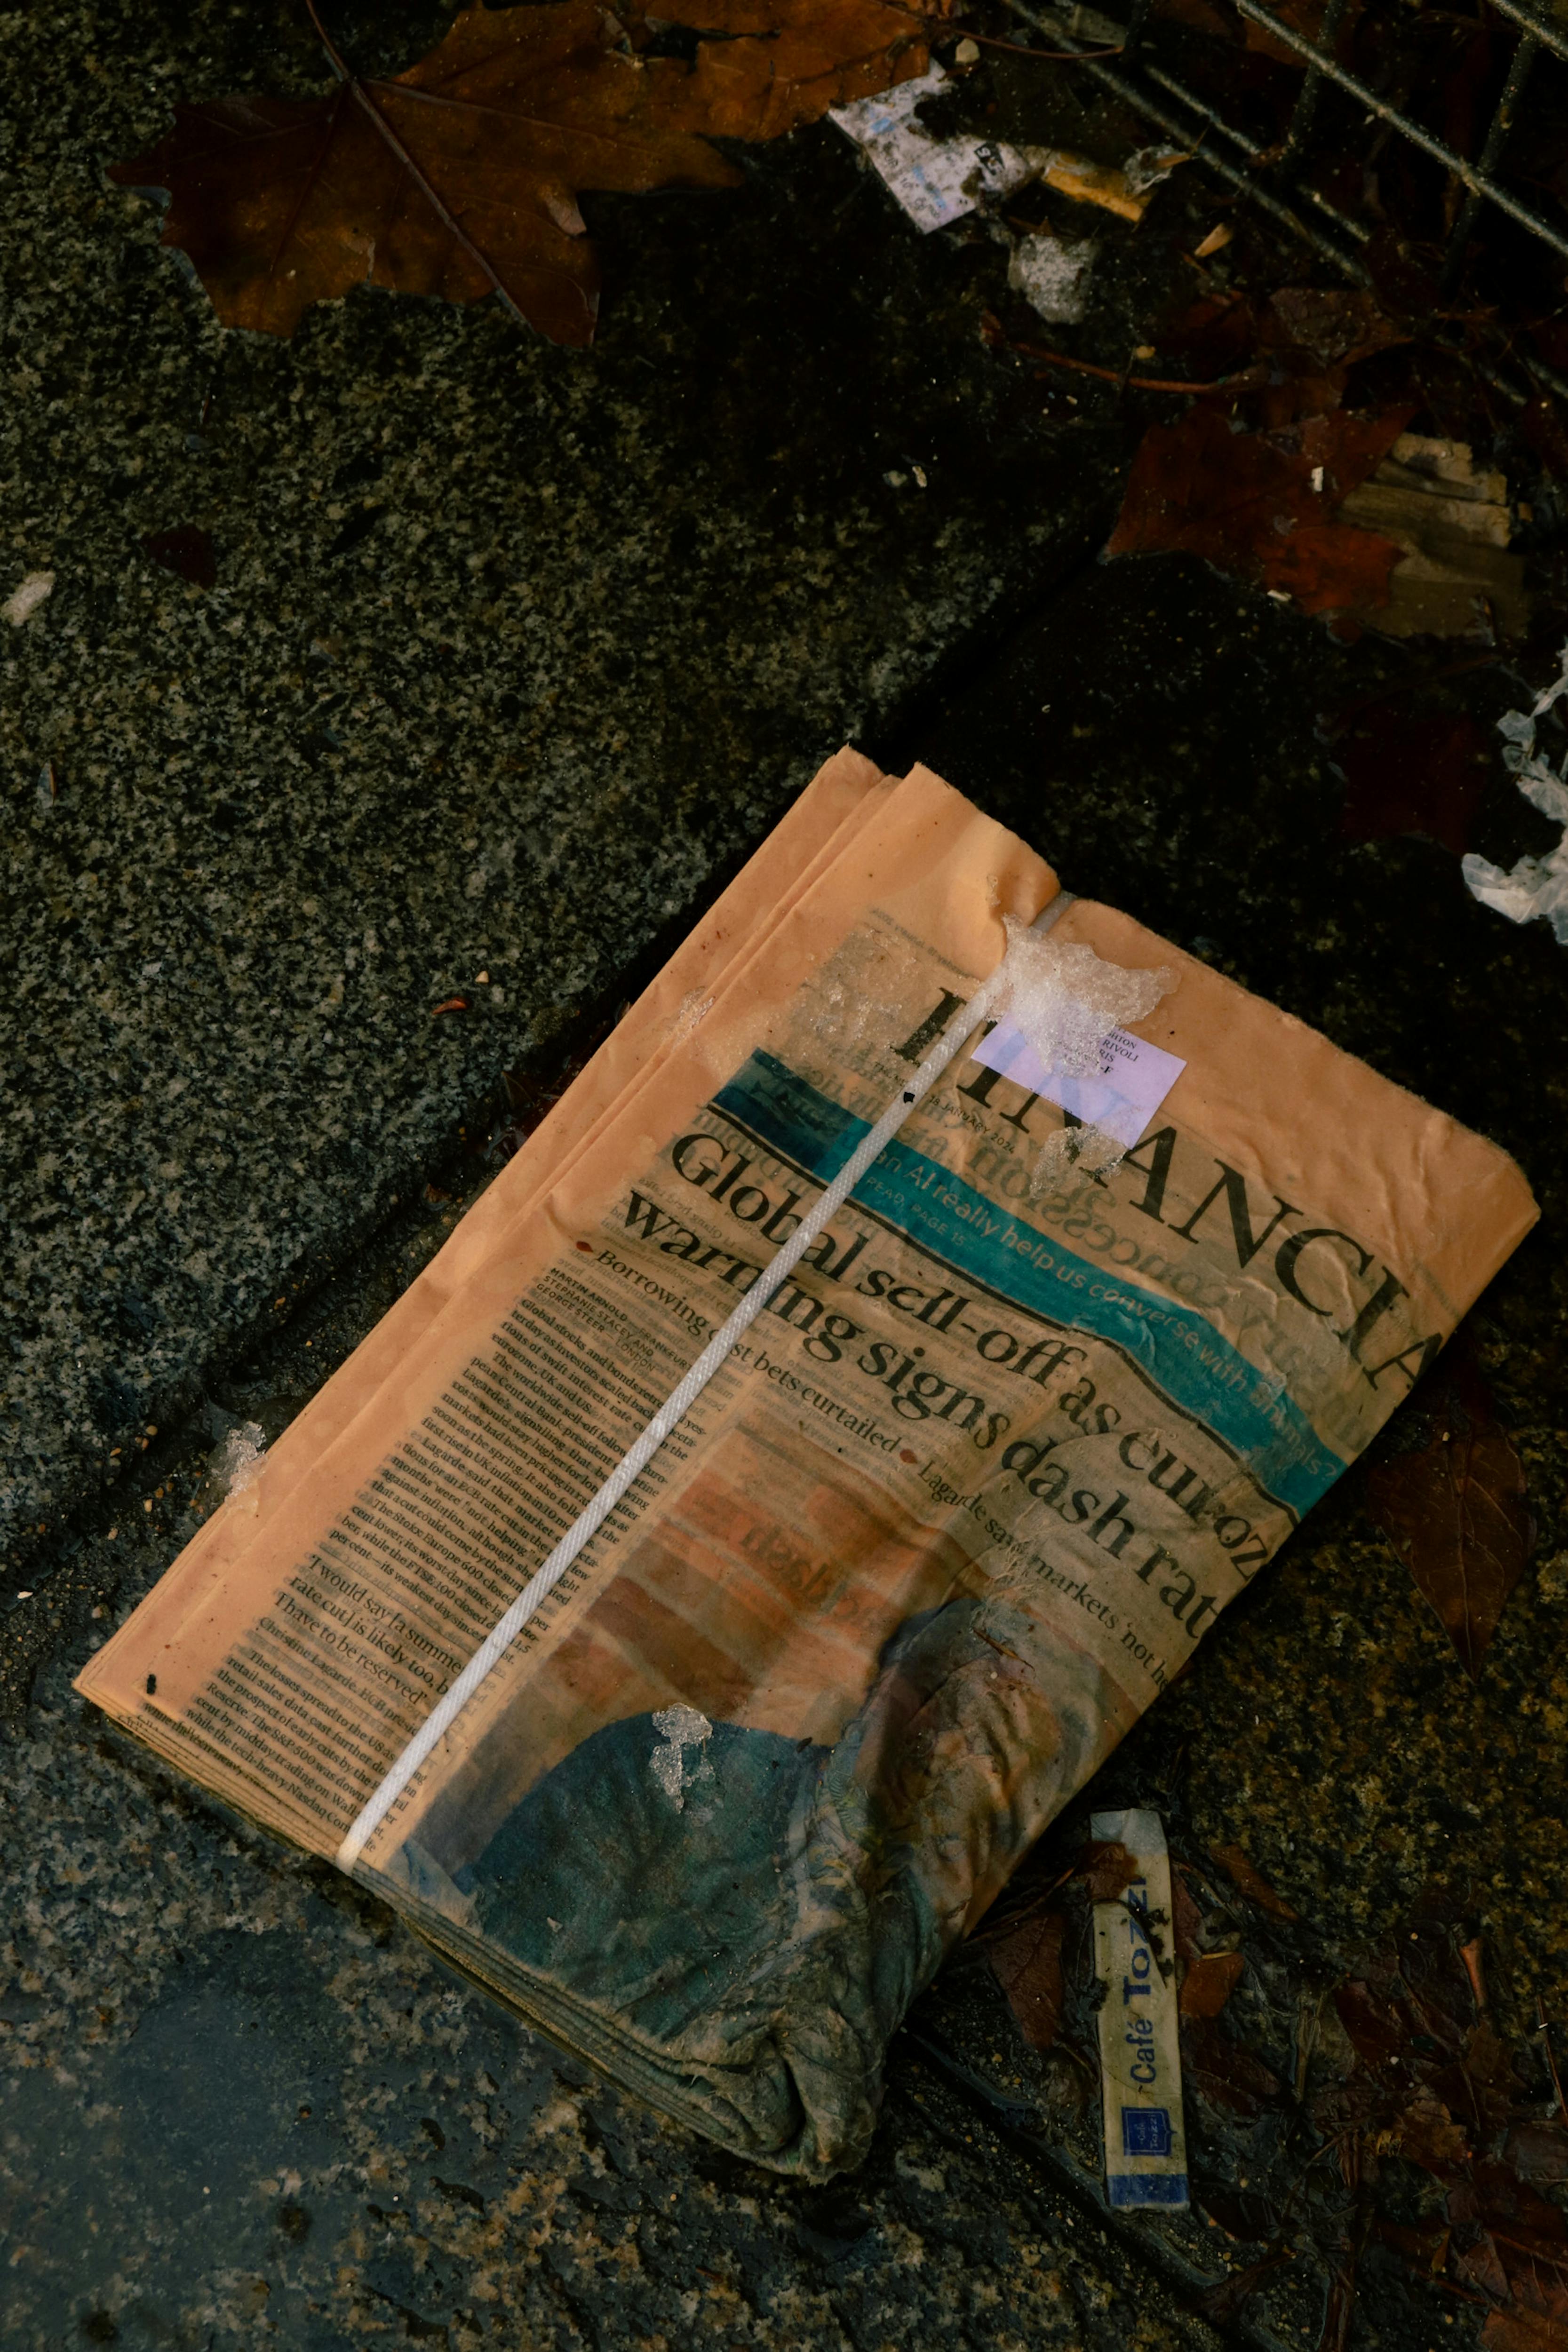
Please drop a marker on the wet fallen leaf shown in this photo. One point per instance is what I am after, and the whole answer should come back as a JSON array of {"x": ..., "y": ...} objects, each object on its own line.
[
  {"x": 1428, "y": 2134},
  {"x": 1406, "y": 775},
  {"x": 1107, "y": 1870},
  {"x": 1186, "y": 1920},
  {"x": 1210, "y": 1980},
  {"x": 185, "y": 551},
  {"x": 460, "y": 177},
  {"x": 1539, "y": 2151},
  {"x": 1455, "y": 1507},
  {"x": 1378, "y": 2032},
  {"x": 1528, "y": 2232},
  {"x": 1424, "y": 2247},
  {"x": 1252, "y": 1882},
  {"x": 1330, "y": 325},
  {"x": 1214, "y": 336},
  {"x": 1538, "y": 2323},
  {"x": 1027, "y": 1961},
  {"x": 1263, "y": 505},
  {"x": 1480, "y": 2262},
  {"x": 1484, "y": 2085},
  {"x": 1222, "y": 2071}
]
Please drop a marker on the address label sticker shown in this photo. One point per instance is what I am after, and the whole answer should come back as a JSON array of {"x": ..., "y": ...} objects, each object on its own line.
[{"x": 1133, "y": 1081}]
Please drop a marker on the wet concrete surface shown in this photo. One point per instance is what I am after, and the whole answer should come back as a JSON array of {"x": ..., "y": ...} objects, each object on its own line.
[
  {"x": 181, "y": 1988},
  {"x": 510, "y": 650},
  {"x": 241, "y": 2104}
]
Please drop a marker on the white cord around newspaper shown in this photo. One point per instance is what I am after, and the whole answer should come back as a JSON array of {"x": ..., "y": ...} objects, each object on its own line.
[{"x": 987, "y": 997}]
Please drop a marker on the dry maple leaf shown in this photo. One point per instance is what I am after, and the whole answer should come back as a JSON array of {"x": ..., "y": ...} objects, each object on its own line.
[
  {"x": 1455, "y": 1509},
  {"x": 1263, "y": 504},
  {"x": 459, "y": 178}
]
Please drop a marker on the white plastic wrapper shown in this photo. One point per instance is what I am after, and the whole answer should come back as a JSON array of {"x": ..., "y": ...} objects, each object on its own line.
[{"x": 1536, "y": 885}]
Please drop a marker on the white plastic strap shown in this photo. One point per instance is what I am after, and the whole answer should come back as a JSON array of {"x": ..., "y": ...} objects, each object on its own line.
[{"x": 587, "y": 1524}]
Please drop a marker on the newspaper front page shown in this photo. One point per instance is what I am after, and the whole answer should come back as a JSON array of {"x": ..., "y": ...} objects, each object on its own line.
[{"x": 979, "y": 1478}]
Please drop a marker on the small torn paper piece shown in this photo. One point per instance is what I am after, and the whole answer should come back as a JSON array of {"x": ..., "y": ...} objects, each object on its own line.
[
  {"x": 1456, "y": 577},
  {"x": 678, "y": 1728},
  {"x": 24, "y": 602},
  {"x": 1123, "y": 189},
  {"x": 935, "y": 180},
  {"x": 939, "y": 180},
  {"x": 1140, "y": 2055},
  {"x": 1536, "y": 885},
  {"x": 1132, "y": 1081}
]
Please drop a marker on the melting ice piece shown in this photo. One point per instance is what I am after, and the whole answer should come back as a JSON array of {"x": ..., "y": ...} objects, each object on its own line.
[
  {"x": 1052, "y": 273},
  {"x": 1061, "y": 1035},
  {"x": 678, "y": 1727},
  {"x": 240, "y": 1458}
]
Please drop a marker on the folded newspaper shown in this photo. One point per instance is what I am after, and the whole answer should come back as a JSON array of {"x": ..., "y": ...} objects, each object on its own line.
[{"x": 1009, "y": 1284}]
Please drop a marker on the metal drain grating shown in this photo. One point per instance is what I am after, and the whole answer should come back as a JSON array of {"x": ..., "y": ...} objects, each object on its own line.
[{"x": 1130, "y": 59}]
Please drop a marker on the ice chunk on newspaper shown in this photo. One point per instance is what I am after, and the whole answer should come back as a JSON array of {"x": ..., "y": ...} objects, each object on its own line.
[{"x": 983, "y": 1472}]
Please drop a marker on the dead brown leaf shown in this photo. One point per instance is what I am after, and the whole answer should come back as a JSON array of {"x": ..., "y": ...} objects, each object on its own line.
[
  {"x": 1539, "y": 2151},
  {"x": 1527, "y": 2331},
  {"x": 1026, "y": 1960},
  {"x": 1538, "y": 2321},
  {"x": 1428, "y": 2134},
  {"x": 460, "y": 177},
  {"x": 1263, "y": 505},
  {"x": 1186, "y": 1920},
  {"x": 1210, "y": 1980},
  {"x": 1455, "y": 1507},
  {"x": 1424, "y": 2246},
  {"x": 1223, "y": 2070},
  {"x": 1334, "y": 326},
  {"x": 1107, "y": 1870},
  {"x": 1378, "y": 2032},
  {"x": 1252, "y": 1882}
]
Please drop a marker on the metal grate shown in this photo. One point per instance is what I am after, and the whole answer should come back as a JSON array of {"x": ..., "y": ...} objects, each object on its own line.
[{"x": 1275, "y": 177}]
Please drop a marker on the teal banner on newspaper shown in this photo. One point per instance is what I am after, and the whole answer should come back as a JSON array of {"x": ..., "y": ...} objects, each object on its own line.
[{"x": 1179, "y": 1351}]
